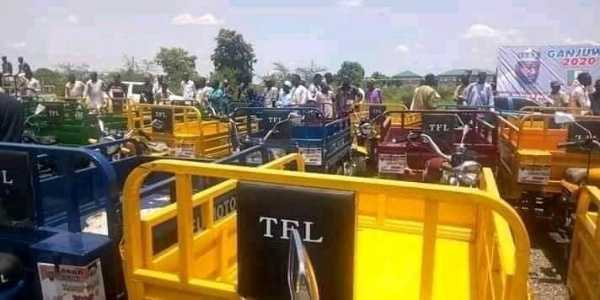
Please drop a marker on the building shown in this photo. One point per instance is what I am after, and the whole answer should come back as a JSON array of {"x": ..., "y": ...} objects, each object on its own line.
[
  {"x": 403, "y": 78},
  {"x": 452, "y": 77}
]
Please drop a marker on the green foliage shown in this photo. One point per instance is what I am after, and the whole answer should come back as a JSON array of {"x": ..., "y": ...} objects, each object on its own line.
[
  {"x": 353, "y": 71},
  {"x": 177, "y": 63},
  {"x": 233, "y": 58},
  {"x": 50, "y": 77},
  {"x": 307, "y": 73},
  {"x": 81, "y": 71},
  {"x": 404, "y": 94},
  {"x": 378, "y": 75}
]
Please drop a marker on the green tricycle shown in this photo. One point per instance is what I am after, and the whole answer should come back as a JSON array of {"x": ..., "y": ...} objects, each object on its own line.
[{"x": 70, "y": 122}]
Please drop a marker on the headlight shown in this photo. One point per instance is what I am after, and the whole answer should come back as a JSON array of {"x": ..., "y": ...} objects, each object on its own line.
[
  {"x": 278, "y": 152},
  {"x": 366, "y": 129}
]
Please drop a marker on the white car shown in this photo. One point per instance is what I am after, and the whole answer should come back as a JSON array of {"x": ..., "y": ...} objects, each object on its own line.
[{"x": 134, "y": 91}]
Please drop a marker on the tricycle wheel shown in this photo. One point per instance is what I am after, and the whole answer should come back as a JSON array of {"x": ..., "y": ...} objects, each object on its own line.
[{"x": 345, "y": 168}]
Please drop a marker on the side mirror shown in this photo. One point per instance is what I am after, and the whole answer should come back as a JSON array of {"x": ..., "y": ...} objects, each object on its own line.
[
  {"x": 295, "y": 118},
  {"x": 301, "y": 277},
  {"x": 101, "y": 125},
  {"x": 39, "y": 109},
  {"x": 563, "y": 118}
]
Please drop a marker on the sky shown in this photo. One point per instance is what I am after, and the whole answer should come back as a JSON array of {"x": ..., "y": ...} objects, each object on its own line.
[{"x": 383, "y": 35}]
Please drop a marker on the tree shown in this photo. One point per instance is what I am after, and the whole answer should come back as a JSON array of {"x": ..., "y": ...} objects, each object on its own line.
[
  {"x": 49, "y": 77},
  {"x": 353, "y": 71},
  {"x": 81, "y": 71},
  {"x": 378, "y": 75},
  {"x": 307, "y": 73},
  {"x": 280, "y": 71},
  {"x": 131, "y": 70},
  {"x": 233, "y": 58},
  {"x": 177, "y": 63}
]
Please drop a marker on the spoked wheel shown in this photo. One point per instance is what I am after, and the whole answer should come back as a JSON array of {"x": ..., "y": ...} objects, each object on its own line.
[{"x": 346, "y": 168}]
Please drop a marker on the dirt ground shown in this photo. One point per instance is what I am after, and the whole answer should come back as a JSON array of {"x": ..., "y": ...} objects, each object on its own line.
[{"x": 547, "y": 273}]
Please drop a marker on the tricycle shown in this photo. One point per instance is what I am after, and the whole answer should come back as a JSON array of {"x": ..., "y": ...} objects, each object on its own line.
[
  {"x": 414, "y": 144},
  {"x": 70, "y": 122},
  {"x": 584, "y": 261},
  {"x": 326, "y": 144},
  {"x": 60, "y": 211},
  {"x": 182, "y": 129},
  {"x": 324, "y": 237},
  {"x": 533, "y": 160}
]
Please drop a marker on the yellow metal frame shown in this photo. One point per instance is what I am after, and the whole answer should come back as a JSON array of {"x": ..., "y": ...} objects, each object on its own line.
[
  {"x": 210, "y": 138},
  {"x": 527, "y": 140},
  {"x": 490, "y": 225},
  {"x": 584, "y": 262}
]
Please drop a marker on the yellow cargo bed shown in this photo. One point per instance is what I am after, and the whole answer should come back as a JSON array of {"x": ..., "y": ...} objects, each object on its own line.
[{"x": 413, "y": 241}]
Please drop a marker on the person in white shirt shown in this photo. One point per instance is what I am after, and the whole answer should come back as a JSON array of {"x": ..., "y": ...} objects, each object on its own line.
[
  {"x": 315, "y": 87},
  {"x": 33, "y": 86},
  {"x": 299, "y": 92},
  {"x": 285, "y": 95},
  {"x": 202, "y": 91},
  {"x": 188, "y": 88},
  {"x": 325, "y": 100},
  {"x": 479, "y": 93},
  {"x": 270, "y": 93},
  {"x": 94, "y": 91},
  {"x": 74, "y": 88},
  {"x": 580, "y": 94}
]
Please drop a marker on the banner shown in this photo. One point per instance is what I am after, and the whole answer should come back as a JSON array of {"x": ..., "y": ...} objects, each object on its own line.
[{"x": 528, "y": 71}]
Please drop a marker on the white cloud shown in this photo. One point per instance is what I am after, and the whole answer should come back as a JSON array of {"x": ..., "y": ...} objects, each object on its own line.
[
  {"x": 572, "y": 41},
  {"x": 188, "y": 19},
  {"x": 480, "y": 31},
  {"x": 350, "y": 3},
  {"x": 73, "y": 19},
  {"x": 18, "y": 45},
  {"x": 402, "y": 48}
]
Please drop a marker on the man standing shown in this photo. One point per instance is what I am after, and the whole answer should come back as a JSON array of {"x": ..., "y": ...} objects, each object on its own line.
[
  {"x": 74, "y": 88},
  {"x": 33, "y": 86},
  {"x": 188, "y": 88},
  {"x": 580, "y": 95},
  {"x": 285, "y": 95},
  {"x": 147, "y": 95},
  {"x": 460, "y": 89},
  {"x": 203, "y": 90},
  {"x": 6, "y": 66},
  {"x": 299, "y": 92},
  {"x": 344, "y": 98},
  {"x": 425, "y": 96},
  {"x": 374, "y": 94},
  {"x": 271, "y": 93},
  {"x": 479, "y": 93},
  {"x": 315, "y": 87},
  {"x": 94, "y": 90},
  {"x": 22, "y": 65},
  {"x": 557, "y": 97}
]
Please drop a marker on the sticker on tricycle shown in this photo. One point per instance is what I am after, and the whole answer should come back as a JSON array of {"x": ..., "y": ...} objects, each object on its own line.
[
  {"x": 185, "y": 150},
  {"x": 534, "y": 175},
  {"x": 72, "y": 282},
  {"x": 392, "y": 163},
  {"x": 312, "y": 156}
]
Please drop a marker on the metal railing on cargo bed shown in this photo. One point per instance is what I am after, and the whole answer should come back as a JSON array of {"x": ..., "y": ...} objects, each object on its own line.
[
  {"x": 583, "y": 279},
  {"x": 459, "y": 243}
]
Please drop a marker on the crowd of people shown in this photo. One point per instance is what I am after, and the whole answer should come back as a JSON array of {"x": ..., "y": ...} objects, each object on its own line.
[
  {"x": 334, "y": 97},
  {"x": 583, "y": 97},
  {"x": 22, "y": 81}
]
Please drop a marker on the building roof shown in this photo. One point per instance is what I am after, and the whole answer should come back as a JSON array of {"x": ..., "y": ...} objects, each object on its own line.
[
  {"x": 406, "y": 74},
  {"x": 460, "y": 72}
]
